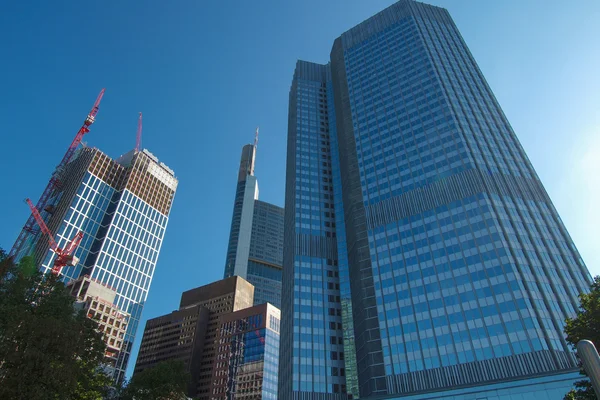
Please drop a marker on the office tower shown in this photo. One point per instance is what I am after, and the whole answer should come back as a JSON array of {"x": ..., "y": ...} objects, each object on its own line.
[
  {"x": 190, "y": 333},
  {"x": 458, "y": 269},
  {"x": 255, "y": 250},
  {"x": 122, "y": 207},
  {"x": 246, "y": 363},
  {"x": 220, "y": 297},
  {"x": 214, "y": 322},
  {"x": 179, "y": 335},
  {"x": 312, "y": 346},
  {"x": 97, "y": 301}
]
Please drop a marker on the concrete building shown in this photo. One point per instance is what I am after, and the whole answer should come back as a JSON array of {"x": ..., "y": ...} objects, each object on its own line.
[
  {"x": 179, "y": 335},
  {"x": 122, "y": 207},
  {"x": 221, "y": 297},
  {"x": 423, "y": 257},
  {"x": 255, "y": 249},
  {"x": 97, "y": 300},
  {"x": 197, "y": 334}
]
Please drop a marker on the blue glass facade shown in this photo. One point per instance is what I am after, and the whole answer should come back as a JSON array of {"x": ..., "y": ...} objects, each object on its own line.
[
  {"x": 122, "y": 208},
  {"x": 265, "y": 258},
  {"x": 549, "y": 387},
  {"x": 344, "y": 272},
  {"x": 247, "y": 362},
  {"x": 87, "y": 210},
  {"x": 312, "y": 336},
  {"x": 460, "y": 270}
]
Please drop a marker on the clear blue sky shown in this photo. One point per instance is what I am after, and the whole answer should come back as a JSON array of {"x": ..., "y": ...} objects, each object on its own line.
[{"x": 205, "y": 74}]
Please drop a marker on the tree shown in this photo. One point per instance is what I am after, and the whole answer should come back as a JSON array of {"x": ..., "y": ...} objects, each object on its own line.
[
  {"x": 5, "y": 262},
  {"x": 585, "y": 325},
  {"x": 47, "y": 351},
  {"x": 26, "y": 265},
  {"x": 167, "y": 380}
]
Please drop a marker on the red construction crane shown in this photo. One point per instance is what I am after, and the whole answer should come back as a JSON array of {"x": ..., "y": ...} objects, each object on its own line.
[
  {"x": 138, "y": 140},
  {"x": 55, "y": 179},
  {"x": 64, "y": 256}
]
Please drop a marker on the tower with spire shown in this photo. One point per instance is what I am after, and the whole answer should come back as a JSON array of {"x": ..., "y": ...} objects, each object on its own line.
[{"x": 255, "y": 248}]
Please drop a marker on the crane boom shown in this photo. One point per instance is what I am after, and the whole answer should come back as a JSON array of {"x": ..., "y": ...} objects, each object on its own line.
[
  {"x": 54, "y": 182},
  {"x": 138, "y": 139},
  {"x": 73, "y": 244},
  {"x": 85, "y": 128},
  {"x": 63, "y": 257},
  {"x": 44, "y": 228}
]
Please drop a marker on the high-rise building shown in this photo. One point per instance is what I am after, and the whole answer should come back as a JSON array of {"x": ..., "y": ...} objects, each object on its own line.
[
  {"x": 424, "y": 258},
  {"x": 255, "y": 249},
  {"x": 228, "y": 346},
  {"x": 313, "y": 354},
  {"x": 190, "y": 333},
  {"x": 179, "y": 335},
  {"x": 122, "y": 207}
]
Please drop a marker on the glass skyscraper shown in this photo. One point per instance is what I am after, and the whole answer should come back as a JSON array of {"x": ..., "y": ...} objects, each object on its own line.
[
  {"x": 122, "y": 207},
  {"x": 422, "y": 252},
  {"x": 255, "y": 249},
  {"x": 312, "y": 354}
]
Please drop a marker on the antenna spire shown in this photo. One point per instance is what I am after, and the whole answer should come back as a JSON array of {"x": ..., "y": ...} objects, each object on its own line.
[
  {"x": 138, "y": 140},
  {"x": 256, "y": 137}
]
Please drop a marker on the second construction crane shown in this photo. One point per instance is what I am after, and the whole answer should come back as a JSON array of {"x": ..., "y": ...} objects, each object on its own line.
[{"x": 64, "y": 257}]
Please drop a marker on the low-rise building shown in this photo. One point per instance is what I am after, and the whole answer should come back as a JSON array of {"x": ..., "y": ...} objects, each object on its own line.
[
  {"x": 97, "y": 300},
  {"x": 247, "y": 358},
  {"x": 229, "y": 347}
]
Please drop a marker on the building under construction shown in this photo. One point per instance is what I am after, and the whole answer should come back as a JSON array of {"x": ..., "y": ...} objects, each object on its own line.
[
  {"x": 97, "y": 299},
  {"x": 105, "y": 219},
  {"x": 229, "y": 347}
]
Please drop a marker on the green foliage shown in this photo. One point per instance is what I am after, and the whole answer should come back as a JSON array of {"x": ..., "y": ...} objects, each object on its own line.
[
  {"x": 583, "y": 391},
  {"x": 27, "y": 266},
  {"x": 47, "y": 351},
  {"x": 585, "y": 325},
  {"x": 5, "y": 263},
  {"x": 167, "y": 380}
]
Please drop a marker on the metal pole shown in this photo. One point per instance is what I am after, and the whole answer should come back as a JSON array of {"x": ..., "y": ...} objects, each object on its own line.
[{"x": 591, "y": 362}]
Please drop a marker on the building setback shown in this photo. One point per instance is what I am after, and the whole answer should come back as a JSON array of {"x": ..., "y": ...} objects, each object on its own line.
[
  {"x": 422, "y": 251},
  {"x": 255, "y": 249},
  {"x": 122, "y": 207}
]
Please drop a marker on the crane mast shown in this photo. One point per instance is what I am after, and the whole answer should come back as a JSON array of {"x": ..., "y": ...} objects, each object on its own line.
[
  {"x": 55, "y": 182},
  {"x": 64, "y": 256}
]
